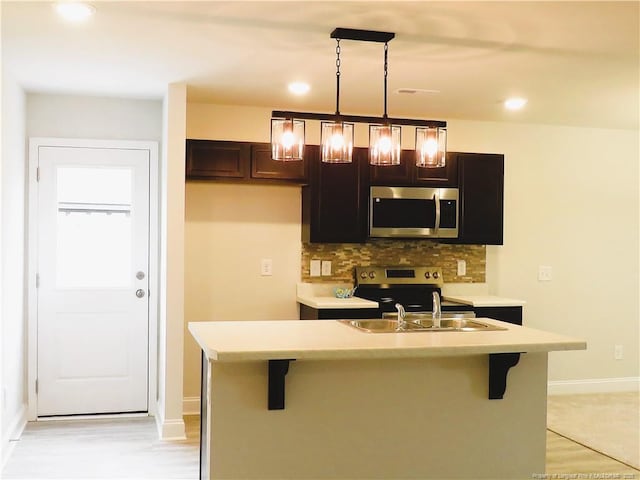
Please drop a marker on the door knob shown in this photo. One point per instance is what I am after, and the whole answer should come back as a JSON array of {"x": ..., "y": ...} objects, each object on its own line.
[
  {"x": 140, "y": 293},
  {"x": 140, "y": 275}
]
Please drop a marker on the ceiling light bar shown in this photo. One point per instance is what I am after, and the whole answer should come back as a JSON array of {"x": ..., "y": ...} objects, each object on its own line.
[
  {"x": 358, "y": 118},
  {"x": 362, "y": 35}
]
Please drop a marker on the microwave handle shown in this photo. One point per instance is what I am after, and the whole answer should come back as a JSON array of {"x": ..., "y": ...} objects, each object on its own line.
[{"x": 436, "y": 198}]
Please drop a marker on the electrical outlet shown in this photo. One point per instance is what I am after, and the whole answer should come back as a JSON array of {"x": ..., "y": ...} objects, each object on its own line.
[
  {"x": 462, "y": 268},
  {"x": 544, "y": 273},
  {"x": 618, "y": 352},
  {"x": 314, "y": 268},
  {"x": 266, "y": 267},
  {"x": 326, "y": 268}
]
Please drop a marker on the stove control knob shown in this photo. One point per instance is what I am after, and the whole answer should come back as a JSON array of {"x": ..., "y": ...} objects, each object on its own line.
[
  {"x": 427, "y": 275},
  {"x": 372, "y": 274},
  {"x": 436, "y": 275},
  {"x": 363, "y": 275}
]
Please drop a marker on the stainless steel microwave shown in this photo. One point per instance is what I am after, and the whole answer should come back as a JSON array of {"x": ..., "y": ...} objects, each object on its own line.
[{"x": 413, "y": 212}]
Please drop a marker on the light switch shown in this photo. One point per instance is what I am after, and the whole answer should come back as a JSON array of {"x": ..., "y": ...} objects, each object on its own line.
[
  {"x": 462, "y": 268},
  {"x": 314, "y": 268},
  {"x": 544, "y": 273},
  {"x": 266, "y": 267},
  {"x": 326, "y": 268}
]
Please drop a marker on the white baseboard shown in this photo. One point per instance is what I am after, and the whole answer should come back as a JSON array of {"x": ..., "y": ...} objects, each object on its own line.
[
  {"x": 594, "y": 385},
  {"x": 12, "y": 435},
  {"x": 191, "y": 406},
  {"x": 169, "y": 429}
]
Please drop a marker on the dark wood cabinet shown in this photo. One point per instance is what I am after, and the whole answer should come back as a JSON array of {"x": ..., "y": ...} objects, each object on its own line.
[
  {"x": 310, "y": 313},
  {"x": 208, "y": 159},
  {"x": 334, "y": 203},
  {"x": 262, "y": 166},
  {"x": 481, "y": 184},
  {"x": 239, "y": 162},
  {"x": 504, "y": 314},
  {"x": 408, "y": 174}
]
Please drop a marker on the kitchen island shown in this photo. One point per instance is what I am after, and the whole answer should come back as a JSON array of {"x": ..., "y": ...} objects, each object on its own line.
[{"x": 320, "y": 399}]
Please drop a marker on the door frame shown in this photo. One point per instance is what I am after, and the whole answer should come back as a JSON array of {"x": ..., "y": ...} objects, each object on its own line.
[{"x": 32, "y": 258}]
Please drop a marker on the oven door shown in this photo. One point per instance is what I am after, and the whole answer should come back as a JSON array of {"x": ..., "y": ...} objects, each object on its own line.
[{"x": 413, "y": 212}]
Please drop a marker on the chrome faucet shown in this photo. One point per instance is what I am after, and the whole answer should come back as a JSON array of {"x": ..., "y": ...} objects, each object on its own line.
[
  {"x": 401, "y": 313},
  {"x": 437, "y": 310}
]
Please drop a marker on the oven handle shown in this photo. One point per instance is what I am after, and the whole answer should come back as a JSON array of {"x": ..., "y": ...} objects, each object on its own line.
[{"x": 436, "y": 198}]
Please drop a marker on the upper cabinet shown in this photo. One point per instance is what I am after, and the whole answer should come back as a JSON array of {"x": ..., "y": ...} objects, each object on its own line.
[
  {"x": 334, "y": 203},
  {"x": 481, "y": 184},
  {"x": 408, "y": 174},
  {"x": 239, "y": 161}
]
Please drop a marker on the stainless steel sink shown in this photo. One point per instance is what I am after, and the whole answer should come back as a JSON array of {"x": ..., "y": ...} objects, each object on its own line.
[{"x": 421, "y": 323}]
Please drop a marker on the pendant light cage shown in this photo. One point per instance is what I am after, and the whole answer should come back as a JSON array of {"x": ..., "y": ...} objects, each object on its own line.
[
  {"x": 431, "y": 147},
  {"x": 287, "y": 139},
  {"x": 337, "y": 142},
  {"x": 384, "y": 145}
]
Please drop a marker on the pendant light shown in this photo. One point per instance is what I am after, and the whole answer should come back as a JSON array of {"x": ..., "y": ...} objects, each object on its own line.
[
  {"x": 288, "y": 130},
  {"x": 431, "y": 147},
  {"x": 384, "y": 140},
  {"x": 337, "y": 137},
  {"x": 287, "y": 139}
]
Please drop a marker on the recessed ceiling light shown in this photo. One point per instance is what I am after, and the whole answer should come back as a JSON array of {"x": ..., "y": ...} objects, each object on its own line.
[
  {"x": 299, "y": 88},
  {"x": 515, "y": 103},
  {"x": 75, "y": 11}
]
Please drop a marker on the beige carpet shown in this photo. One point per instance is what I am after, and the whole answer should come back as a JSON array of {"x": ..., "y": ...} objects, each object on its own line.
[{"x": 606, "y": 422}]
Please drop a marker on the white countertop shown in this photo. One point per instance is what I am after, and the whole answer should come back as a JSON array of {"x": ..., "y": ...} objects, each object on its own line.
[
  {"x": 329, "y": 339},
  {"x": 333, "y": 302},
  {"x": 320, "y": 295},
  {"x": 484, "y": 300}
]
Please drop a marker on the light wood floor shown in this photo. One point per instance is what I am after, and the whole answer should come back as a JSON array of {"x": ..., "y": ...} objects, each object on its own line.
[{"x": 129, "y": 448}]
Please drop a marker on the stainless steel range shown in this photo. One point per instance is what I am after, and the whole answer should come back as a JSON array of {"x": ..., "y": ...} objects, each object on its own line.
[{"x": 412, "y": 287}]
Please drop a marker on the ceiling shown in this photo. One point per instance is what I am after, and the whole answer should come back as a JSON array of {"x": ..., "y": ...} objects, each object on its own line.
[{"x": 576, "y": 62}]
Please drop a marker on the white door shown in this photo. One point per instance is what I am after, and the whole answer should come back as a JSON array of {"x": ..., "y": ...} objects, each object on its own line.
[{"x": 93, "y": 263}]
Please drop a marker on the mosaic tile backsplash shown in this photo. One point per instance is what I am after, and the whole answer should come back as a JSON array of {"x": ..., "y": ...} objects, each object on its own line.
[{"x": 345, "y": 256}]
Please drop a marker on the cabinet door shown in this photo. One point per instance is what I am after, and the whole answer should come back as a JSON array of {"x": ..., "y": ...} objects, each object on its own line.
[
  {"x": 216, "y": 159},
  {"x": 446, "y": 176},
  {"x": 408, "y": 174},
  {"x": 262, "y": 166},
  {"x": 481, "y": 183},
  {"x": 393, "y": 174},
  {"x": 334, "y": 205}
]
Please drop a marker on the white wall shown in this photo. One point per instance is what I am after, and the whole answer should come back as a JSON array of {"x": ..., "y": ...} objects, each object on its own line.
[
  {"x": 76, "y": 116},
  {"x": 172, "y": 248},
  {"x": 12, "y": 247},
  {"x": 229, "y": 229},
  {"x": 571, "y": 202}
]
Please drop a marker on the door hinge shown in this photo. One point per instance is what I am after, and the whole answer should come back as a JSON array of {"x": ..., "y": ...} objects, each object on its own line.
[
  {"x": 36, "y": 386},
  {"x": 37, "y": 174},
  {"x": 37, "y": 280}
]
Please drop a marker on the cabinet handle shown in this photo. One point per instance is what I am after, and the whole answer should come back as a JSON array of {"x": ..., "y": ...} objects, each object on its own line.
[{"x": 436, "y": 198}]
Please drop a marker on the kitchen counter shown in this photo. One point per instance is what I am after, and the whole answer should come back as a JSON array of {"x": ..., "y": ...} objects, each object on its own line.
[
  {"x": 320, "y": 296},
  {"x": 332, "y": 340},
  {"x": 372, "y": 405},
  {"x": 484, "y": 300}
]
